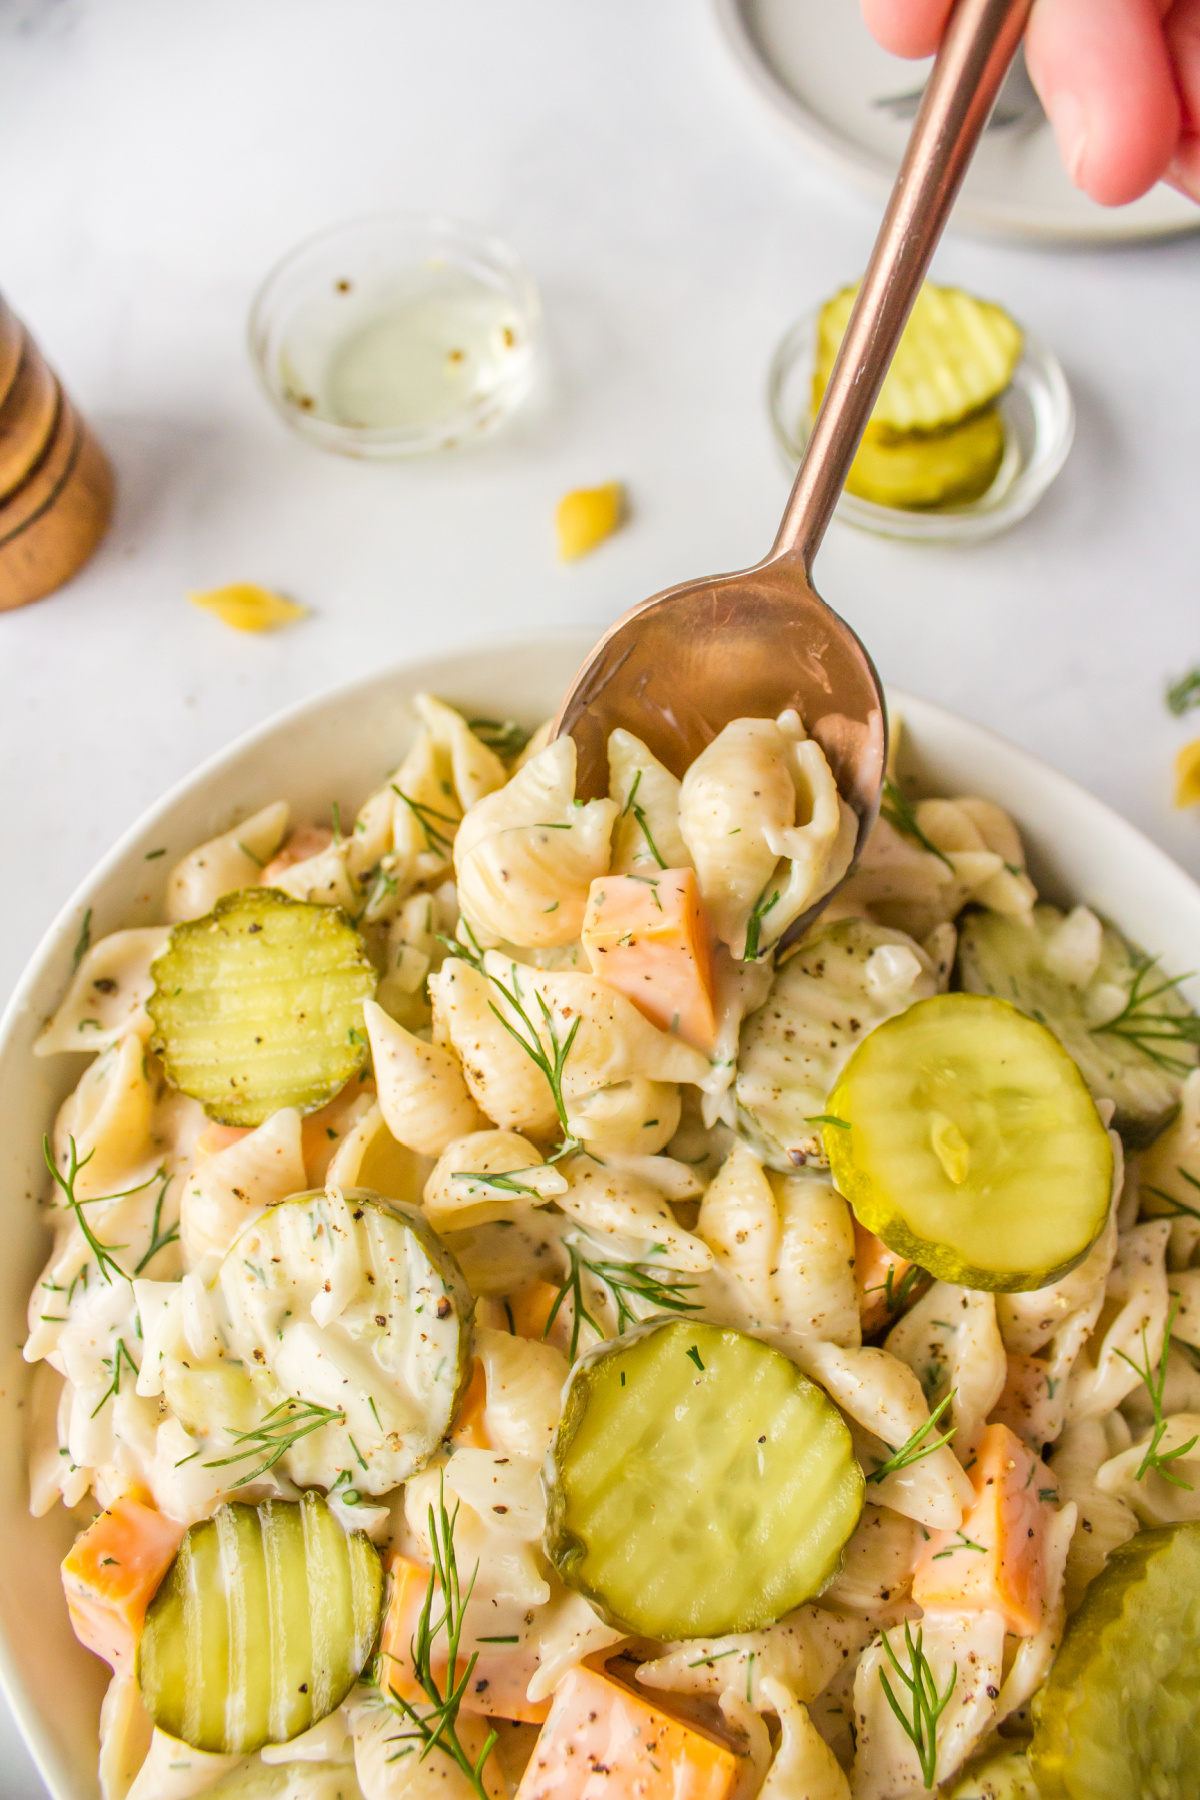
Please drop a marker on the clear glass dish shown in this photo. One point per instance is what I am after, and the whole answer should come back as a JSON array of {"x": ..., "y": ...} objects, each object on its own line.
[
  {"x": 1039, "y": 421},
  {"x": 396, "y": 335}
]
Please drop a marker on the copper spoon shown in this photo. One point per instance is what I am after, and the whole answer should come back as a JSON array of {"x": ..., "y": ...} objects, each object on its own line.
[{"x": 676, "y": 669}]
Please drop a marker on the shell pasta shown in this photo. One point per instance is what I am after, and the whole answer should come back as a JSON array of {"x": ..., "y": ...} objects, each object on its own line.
[{"x": 519, "y": 1324}]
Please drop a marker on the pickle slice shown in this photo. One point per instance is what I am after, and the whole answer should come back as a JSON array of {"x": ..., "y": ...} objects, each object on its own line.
[
  {"x": 956, "y": 355},
  {"x": 930, "y": 469},
  {"x": 1141, "y": 1065},
  {"x": 261, "y": 1626},
  {"x": 1119, "y": 1716},
  {"x": 970, "y": 1144},
  {"x": 353, "y": 1310},
  {"x": 1003, "y": 1775},
  {"x": 259, "y": 1005},
  {"x": 825, "y": 998},
  {"x": 698, "y": 1483}
]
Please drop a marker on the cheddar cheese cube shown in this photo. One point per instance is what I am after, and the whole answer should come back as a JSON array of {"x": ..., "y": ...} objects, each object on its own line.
[
  {"x": 649, "y": 937},
  {"x": 996, "y": 1561},
  {"x": 603, "y": 1739},
  {"x": 112, "y": 1572}
]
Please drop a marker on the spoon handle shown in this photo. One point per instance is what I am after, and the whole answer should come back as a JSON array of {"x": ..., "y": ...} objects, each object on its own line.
[{"x": 980, "y": 42}]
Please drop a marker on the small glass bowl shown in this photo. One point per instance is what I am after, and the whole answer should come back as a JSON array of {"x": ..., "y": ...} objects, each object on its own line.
[
  {"x": 1039, "y": 421},
  {"x": 396, "y": 335}
]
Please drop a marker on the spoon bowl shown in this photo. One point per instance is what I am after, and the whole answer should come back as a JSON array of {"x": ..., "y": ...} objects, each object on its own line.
[{"x": 681, "y": 666}]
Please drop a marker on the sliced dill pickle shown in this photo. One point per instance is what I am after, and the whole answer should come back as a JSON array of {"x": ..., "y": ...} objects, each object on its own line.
[
  {"x": 970, "y": 1144},
  {"x": 1129, "y": 1029},
  {"x": 842, "y": 981},
  {"x": 353, "y": 1308},
  {"x": 930, "y": 468},
  {"x": 956, "y": 355},
  {"x": 1119, "y": 1716},
  {"x": 261, "y": 1626},
  {"x": 1002, "y": 1775},
  {"x": 698, "y": 1483},
  {"x": 259, "y": 1005}
]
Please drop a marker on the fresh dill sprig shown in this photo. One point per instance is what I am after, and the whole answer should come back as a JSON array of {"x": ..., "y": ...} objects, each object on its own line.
[
  {"x": 113, "y": 1365},
  {"x": 275, "y": 1435},
  {"x": 1140, "y": 1025},
  {"x": 895, "y": 1298},
  {"x": 916, "y": 1447},
  {"x": 504, "y": 736},
  {"x": 901, "y": 815},
  {"x": 1179, "y": 1208},
  {"x": 920, "y": 1726},
  {"x": 436, "y": 1724},
  {"x": 551, "y": 1062},
  {"x": 435, "y": 841},
  {"x": 619, "y": 1279},
  {"x": 84, "y": 941},
  {"x": 639, "y": 813},
  {"x": 758, "y": 913},
  {"x": 470, "y": 953},
  {"x": 1155, "y": 1458},
  {"x": 505, "y": 1183},
  {"x": 170, "y": 1236},
  {"x": 103, "y": 1253},
  {"x": 1184, "y": 694}
]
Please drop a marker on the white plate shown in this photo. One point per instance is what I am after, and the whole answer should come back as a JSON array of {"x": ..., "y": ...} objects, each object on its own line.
[
  {"x": 340, "y": 746},
  {"x": 819, "y": 69}
]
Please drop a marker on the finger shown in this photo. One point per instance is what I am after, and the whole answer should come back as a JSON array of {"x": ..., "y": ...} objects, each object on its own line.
[
  {"x": 907, "y": 27},
  {"x": 1183, "y": 42},
  {"x": 1102, "y": 71}
]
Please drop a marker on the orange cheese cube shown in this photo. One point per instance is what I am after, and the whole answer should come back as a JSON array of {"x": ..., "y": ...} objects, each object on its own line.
[
  {"x": 530, "y": 1307},
  {"x": 215, "y": 1138},
  {"x": 996, "y": 1562},
  {"x": 878, "y": 1275},
  {"x": 603, "y": 1739},
  {"x": 469, "y": 1431},
  {"x": 112, "y": 1572},
  {"x": 649, "y": 937},
  {"x": 501, "y": 1673}
]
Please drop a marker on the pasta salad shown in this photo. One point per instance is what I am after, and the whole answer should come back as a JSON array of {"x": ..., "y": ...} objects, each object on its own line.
[{"x": 519, "y": 1324}]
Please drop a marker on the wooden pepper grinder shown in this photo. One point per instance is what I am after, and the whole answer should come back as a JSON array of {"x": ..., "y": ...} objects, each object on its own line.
[{"x": 56, "y": 484}]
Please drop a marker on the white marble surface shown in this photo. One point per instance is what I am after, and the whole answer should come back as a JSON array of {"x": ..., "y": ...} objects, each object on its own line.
[{"x": 157, "y": 155}]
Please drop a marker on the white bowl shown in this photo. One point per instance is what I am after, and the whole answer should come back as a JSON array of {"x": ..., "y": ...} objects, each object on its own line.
[{"x": 340, "y": 746}]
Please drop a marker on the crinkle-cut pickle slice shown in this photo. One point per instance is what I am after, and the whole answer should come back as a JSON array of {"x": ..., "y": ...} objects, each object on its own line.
[
  {"x": 259, "y": 1005},
  {"x": 344, "y": 1300},
  {"x": 971, "y": 1145},
  {"x": 1119, "y": 1716},
  {"x": 698, "y": 1483},
  {"x": 1141, "y": 1066},
  {"x": 261, "y": 1627},
  {"x": 1002, "y": 1775},
  {"x": 956, "y": 355},
  {"x": 930, "y": 469}
]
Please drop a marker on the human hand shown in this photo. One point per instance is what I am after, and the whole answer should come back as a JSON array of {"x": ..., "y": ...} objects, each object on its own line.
[{"x": 1119, "y": 79}]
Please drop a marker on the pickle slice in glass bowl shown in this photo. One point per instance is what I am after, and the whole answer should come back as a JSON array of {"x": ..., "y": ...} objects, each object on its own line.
[
  {"x": 698, "y": 1483},
  {"x": 1119, "y": 1716},
  {"x": 964, "y": 1137}
]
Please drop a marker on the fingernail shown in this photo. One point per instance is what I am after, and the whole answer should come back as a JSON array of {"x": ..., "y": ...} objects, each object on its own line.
[{"x": 1070, "y": 129}]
